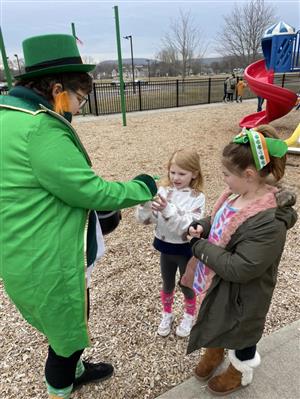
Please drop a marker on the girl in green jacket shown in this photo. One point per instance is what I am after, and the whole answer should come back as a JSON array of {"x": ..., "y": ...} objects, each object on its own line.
[
  {"x": 239, "y": 249},
  {"x": 48, "y": 196}
]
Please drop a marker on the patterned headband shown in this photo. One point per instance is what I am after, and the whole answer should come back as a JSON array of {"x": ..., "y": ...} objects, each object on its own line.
[{"x": 261, "y": 147}]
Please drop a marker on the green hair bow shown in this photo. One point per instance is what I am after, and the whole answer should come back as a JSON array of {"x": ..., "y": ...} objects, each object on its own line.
[{"x": 261, "y": 147}]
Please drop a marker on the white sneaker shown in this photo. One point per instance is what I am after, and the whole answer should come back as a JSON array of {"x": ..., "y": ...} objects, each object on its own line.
[
  {"x": 184, "y": 328},
  {"x": 164, "y": 328}
]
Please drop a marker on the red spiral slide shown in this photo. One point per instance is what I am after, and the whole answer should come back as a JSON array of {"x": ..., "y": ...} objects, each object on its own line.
[{"x": 280, "y": 101}]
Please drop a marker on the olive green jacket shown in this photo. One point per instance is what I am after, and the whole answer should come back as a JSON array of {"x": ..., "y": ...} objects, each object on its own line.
[
  {"x": 232, "y": 314},
  {"x": 47, "y": 188}
]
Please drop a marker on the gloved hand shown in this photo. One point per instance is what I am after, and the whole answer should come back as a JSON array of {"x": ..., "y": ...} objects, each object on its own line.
[
  {"x": 194, "y": 240},
  {"x": 149, "y": 181}
]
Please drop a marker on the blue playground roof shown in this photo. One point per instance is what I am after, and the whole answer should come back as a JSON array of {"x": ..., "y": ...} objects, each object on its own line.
[{"x": 280, "y": 28}]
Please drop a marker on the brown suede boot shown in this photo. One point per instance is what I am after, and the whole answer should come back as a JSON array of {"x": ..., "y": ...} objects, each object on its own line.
[
  {"x": 211, "y": 359},
  {"x": 238, "y": 375},
  {"x": 225, "y": 383}
]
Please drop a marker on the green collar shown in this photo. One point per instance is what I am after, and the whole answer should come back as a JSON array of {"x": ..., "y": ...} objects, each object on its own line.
[
  {"x": 31, "y": 96},
  {"x": 34, "y": 100}
]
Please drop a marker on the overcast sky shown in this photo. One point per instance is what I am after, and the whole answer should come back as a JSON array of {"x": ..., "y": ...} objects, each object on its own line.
[{"x": 146, "y": 21}]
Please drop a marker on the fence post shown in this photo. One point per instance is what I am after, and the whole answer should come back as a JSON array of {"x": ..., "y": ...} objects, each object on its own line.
[
  {"x": 283, "y": 80},
  {"x": 177, "y": 93},
  {"x": 89, "y": 103},
  {"x": 95, "y": 98},
  {"x": 140, "y": 95},
  {"x": 209, "y": 90}
]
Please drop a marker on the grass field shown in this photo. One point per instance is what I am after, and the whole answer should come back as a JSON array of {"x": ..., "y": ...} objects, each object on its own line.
[{"x": 163, "y": 93}]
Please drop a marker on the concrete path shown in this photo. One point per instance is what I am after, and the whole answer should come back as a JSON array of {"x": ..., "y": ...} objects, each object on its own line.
[
  {"x": 94, "y": 118},
  {"x": 278, "y": 376}
]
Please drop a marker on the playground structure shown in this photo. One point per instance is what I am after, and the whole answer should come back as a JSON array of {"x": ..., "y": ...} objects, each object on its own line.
[
  {"x": 293, "y": 142},
  {"x": 281, "y": 49}
]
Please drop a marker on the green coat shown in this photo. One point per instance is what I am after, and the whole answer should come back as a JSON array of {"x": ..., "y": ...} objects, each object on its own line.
[
  {"x": 47, "y": 188},
  {"x": 232, "y": 314}
]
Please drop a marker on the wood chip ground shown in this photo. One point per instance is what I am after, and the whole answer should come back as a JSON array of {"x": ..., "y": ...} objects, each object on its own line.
[{"x": 126, "y": 283}]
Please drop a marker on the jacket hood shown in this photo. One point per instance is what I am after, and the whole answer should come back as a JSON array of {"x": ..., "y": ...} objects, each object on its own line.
[
  {"x": 288, "y": 215},
  {"x": 285, "y": 199}
]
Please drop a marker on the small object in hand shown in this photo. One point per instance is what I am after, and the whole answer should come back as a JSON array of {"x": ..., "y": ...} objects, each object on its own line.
[{"x": 109, "y": 220}]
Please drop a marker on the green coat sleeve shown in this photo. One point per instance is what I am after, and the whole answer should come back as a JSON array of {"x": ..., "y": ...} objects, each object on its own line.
[
  {"x": 250, "y": 258},
  {"x": 60, "y": 168}
]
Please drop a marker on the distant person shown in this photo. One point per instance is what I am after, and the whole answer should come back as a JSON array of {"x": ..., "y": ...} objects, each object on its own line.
[
  {"x": 260, "y": 101},
  {"x": 180, "y": 201},
  {"x": 225, "y": 84},
  {"x": 49, "y": 194},
  {"x": 240, "y": 87},
  {"x": 231, "y": 87},
  {"x": 240, "y": 246}
]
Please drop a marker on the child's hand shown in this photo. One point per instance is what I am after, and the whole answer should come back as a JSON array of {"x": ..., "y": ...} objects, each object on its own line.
[
  {"x": 195, "y": 232},
  {"x": 159, "y": 203}
]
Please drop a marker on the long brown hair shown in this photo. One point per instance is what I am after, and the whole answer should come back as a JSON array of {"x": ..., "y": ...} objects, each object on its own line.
[
  {"x": 238, "y": 157},
  {"x": 187, "y": 159}
]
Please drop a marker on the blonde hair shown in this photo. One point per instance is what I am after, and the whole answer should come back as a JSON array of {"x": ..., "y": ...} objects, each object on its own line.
[{"x": 186, "y": 159}]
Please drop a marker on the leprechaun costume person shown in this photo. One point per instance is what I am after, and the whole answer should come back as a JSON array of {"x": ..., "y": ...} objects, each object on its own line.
[{"x": 49, "y": 233}]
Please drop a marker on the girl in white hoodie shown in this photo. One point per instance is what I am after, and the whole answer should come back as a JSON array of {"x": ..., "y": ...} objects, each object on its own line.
[{"x": 180, "y": 201}]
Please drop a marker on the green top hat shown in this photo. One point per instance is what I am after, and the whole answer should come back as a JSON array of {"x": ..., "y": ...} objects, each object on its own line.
[{"x": 49, "y": 54}]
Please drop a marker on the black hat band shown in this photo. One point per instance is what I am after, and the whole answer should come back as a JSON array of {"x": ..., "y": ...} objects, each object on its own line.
[{"x": 57, "y": 62}]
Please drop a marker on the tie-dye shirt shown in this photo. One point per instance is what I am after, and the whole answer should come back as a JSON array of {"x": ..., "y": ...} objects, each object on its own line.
[{"x": 204, "y": 274}]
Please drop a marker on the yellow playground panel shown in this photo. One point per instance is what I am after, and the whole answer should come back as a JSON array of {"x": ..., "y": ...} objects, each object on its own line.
[{"x": 293, "y": 142}]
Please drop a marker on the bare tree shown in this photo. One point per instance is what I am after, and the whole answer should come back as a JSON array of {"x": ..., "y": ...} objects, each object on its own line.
[
  {"x": 168, "y": 55},
  {"x": 183, "y": 42},
  {"x": 243, "y": 30},
  {"x": 168, "y": 60}
]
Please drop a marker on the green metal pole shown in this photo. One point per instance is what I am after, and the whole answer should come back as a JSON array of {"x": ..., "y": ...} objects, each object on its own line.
[
  {"x": 73, "y": 29},
  {"x": 120, "y": 65},
  {"x": 5, "y": 63}
]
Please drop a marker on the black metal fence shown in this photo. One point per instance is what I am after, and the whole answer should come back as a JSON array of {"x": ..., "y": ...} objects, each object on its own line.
[{"x": 154, "y": 94}]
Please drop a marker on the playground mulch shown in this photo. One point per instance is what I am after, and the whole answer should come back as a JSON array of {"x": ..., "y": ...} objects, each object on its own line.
[{"x": 125, "y": 289}]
